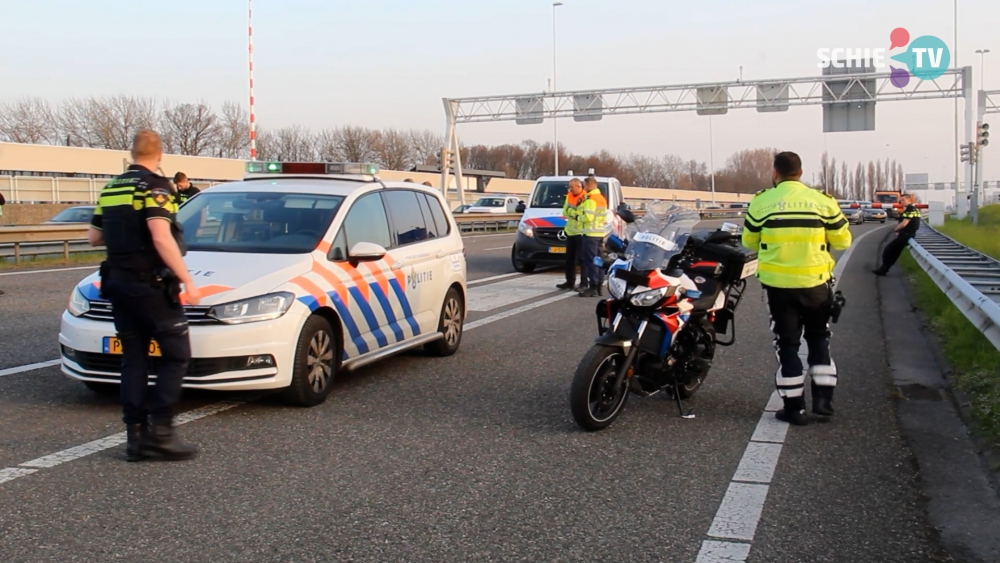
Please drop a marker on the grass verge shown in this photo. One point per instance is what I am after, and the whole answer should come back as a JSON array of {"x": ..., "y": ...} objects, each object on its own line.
[
  {"x": 974, "y": 359},
  {"x": 984, "y": 237},
  {"x": 33, "y": 262}
]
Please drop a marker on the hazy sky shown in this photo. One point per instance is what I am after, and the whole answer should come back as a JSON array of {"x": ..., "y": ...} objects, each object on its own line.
[{"x": 388, "y": 63}]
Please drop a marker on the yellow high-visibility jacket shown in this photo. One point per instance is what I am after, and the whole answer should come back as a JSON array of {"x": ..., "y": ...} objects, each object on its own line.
[{"x": 793, "y": 228}]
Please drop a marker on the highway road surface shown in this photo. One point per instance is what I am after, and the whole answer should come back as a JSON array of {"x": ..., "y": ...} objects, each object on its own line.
[{"x": 473, "y": 458}]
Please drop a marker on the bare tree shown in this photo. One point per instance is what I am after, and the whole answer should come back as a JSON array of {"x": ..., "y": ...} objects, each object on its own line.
[
  {"x": 190, "y": 129},
  {"x": 859, "y": 182},
  {"x": 845, "y": 182},
  {"x": 28, "y": 120},
  {"x": 751, "y": 169},
  {"x": 356, "y": 144},
  {"x": 393, "y": 149},
  {"x": 293, "y": 144},
  {"x": 106, "y": 123},
  {"x": 233, "y": 139},
  {"x": 824, "y": 169},
  {"x": 426, "y": 147}
]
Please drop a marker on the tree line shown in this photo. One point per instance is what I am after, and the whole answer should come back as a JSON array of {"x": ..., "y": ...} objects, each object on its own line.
[{"x": 196, "y": 129}]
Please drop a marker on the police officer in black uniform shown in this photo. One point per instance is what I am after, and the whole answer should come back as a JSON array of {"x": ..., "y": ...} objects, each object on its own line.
[
  {"x": 134, "y": 219},
  {"x": 185, "y": 190},
  {"x": 909, "y": 222}
]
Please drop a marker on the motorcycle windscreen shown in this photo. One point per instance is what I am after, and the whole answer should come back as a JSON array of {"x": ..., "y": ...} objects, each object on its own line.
[{"x": 650, "y": 251}]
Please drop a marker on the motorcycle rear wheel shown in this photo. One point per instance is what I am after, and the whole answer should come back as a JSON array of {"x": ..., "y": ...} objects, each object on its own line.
[
  {"x": 593, "y": 399},
  {"x": 694, "y": 382}
]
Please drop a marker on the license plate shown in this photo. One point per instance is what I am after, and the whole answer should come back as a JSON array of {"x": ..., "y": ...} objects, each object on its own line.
[
  {"x": 557, "y": 249},
  {"x": 749, "y": 269},
  {"x": 114, "y": 346}
]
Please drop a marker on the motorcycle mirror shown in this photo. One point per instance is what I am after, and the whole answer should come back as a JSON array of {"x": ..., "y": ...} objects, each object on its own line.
[
  {"x": 730, "y": 228},
  {"x": 625, "y": 213}
]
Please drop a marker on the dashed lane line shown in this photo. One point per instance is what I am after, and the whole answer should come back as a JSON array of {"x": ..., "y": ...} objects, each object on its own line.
[
  {"x": 741, "y": 507},
  {"x": 29, "y": 367},
  {"x": 26, "y": 272}
]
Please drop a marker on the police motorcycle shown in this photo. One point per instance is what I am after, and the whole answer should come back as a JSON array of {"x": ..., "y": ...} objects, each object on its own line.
[{"x": 673, "y": 292}]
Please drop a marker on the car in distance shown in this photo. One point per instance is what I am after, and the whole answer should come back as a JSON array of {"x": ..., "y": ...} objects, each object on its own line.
[
  {"x": 852, "y": 212},
  {"x": 873, "y": 214},
  {"x": 306, "y": 270},
  {"x": 79, "y": 214},
  {"x": 494, "y": 204}
]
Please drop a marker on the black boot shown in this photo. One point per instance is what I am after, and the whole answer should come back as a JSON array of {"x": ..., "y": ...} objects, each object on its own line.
[
  {"x": 794, "y": 412},
  {"x": 567, "y": 285},
  {"x": 589, "y": 292},
  {"x": 135, "y": 435},
  {"x": 822, "y": 400},
  {"x": 879, "y": 272},
  {"x": 163, "y": 443}
]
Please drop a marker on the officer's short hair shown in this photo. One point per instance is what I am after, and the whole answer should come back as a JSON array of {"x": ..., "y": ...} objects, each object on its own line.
[
  {"x": 146, "y": 144},
  {"x": 590, "y": 181},
  {"x": 575, "y": 181},
  {"x": 180, "y": 177},
  {"x": 788, "y": 164}
]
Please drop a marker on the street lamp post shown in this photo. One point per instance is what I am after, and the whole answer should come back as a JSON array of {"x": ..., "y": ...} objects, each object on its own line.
[
  {"x": 982, "y": 67},
  {"x": 555, "y": 122},
  {"x": 711, "y": 157}
]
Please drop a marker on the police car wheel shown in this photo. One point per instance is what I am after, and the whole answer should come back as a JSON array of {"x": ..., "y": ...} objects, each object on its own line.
[
  {"x": 104, "y": 389},
  {"x": 315, "y": 364},
  {"x": 520, "y": 265},
  {"x": 450, "y": 325}
]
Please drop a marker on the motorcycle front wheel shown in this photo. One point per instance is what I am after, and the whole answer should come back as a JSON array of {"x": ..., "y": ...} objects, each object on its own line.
[{"x": 594, "y": 399}]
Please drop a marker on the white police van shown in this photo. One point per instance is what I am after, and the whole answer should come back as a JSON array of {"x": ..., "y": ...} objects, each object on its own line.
[
  {"x": 305, "y": 269},
  {"x": 541, "y": 238}
]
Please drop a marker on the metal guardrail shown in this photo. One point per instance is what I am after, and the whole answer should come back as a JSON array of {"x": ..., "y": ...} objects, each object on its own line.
[
  {"x": 968, "y": 277},
  {"x": 39, "y": 240}
]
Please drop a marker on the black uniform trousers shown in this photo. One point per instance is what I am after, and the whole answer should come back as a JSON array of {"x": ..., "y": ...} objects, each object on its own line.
[
  {"x": 141, "y": 313},
  {"x": 591, "y": 250},
  {"x": 794, "y": 312},
  {"x": 573, "y": 254},
  {"x": 893, "y": 250}
]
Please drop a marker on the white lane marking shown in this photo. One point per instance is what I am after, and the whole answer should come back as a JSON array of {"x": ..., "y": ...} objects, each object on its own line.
[
  {"x": 758, "y": 463},
  {"x": 508, "y": 292},
  {"x": 723, "y": 552},
  {"x": 769, "y": 429},
  {"x": 11, "y": 473},
  {"x": 492, "y": 278},
  {"x": 29, "y": 367},
  {"x": 108, "y": 442},
  {"x": 516, "y": 311},
  {"x": 740, "y": 511},
  {"x": 496, "y": 248},
  {"x": 51, "y": 270}
]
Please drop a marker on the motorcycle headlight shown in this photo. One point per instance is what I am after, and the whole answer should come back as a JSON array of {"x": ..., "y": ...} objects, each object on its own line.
[
  {"x": 78, "y": 304},
  {"x": 263, "y": 308},
  {"x": 526, "y": 230},
  {"x": 651, "y": 297},
  {"x": 616, "y": 287}
]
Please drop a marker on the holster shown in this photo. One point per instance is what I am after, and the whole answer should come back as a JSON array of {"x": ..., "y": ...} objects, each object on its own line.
[
  {"x": 839, "y": 302},
  {"x": 166, "y": 280}
]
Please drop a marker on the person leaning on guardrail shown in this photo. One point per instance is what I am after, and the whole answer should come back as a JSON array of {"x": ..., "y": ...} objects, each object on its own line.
[
  {"x": 574, "y": 236},
  {"x": 793, "y": 227},
  {"x": 134, "y": 219},
  {"x": 909, "y": 223}
]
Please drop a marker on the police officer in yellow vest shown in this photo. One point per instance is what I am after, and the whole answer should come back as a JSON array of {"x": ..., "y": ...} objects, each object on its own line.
[
  {"x": 593, "y": 213},
  {"x": 574, "y": 245},
  {"x": 134, "y": 219},
  {"x": 793, "y": 228}
]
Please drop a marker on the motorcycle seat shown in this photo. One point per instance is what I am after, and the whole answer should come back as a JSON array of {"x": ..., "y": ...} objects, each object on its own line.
[{"x": 709, "y": 293}]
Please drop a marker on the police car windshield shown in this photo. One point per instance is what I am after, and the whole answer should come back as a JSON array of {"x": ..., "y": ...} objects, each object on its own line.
[
  {"x": 257, "y": 222},
  {"x": 552, "y": 195}
]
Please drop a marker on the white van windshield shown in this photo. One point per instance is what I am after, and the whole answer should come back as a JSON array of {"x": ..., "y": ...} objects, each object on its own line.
[
  {"x": 489, "y": 202},
  {"x": 257, "y": 222},
  {"x": 552, "y": 195}
]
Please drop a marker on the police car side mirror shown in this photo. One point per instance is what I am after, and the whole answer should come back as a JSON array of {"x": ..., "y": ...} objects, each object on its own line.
[{"x": 366, "y": 252}]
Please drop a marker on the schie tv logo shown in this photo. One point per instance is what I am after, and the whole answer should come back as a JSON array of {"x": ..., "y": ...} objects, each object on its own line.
[{"x": 927, "y": 57}]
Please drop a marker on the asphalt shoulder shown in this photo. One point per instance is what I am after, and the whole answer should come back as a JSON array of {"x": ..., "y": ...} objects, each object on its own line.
[{"x": 963, "y": 503}]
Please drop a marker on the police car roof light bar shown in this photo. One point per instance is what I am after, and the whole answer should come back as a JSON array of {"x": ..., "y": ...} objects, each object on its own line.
[{"x": 360, "y": 168}]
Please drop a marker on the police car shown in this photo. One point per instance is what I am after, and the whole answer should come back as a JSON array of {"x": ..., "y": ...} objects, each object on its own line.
[{"x": 305, "y": 269}]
